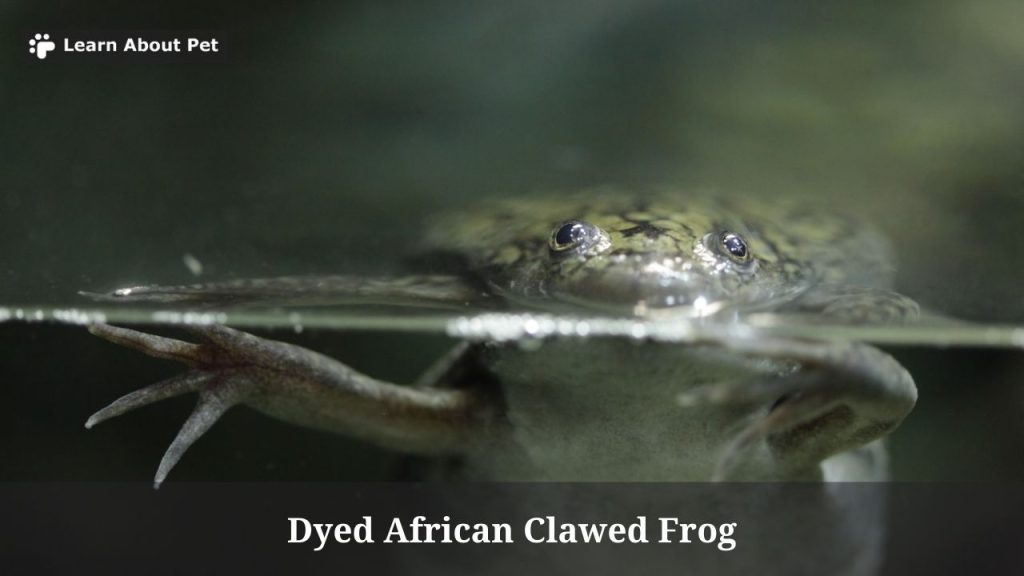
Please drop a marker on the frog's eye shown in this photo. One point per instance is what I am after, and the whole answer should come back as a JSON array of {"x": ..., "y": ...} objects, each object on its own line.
[
  {"x": 734, "y": 247},
  {"x": 574, "y": 234}
]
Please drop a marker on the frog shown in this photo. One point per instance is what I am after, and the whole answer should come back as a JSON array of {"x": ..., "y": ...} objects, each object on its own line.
[{"x": 576, "y": 407}]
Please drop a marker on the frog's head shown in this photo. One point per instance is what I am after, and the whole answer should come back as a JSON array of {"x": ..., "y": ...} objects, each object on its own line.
[
  {"x": 697, "y": 259},
  {"x": 650, "y": 265}
]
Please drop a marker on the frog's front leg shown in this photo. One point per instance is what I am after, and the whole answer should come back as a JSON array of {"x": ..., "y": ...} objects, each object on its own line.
[
  {"x": 843, "y": 396},
  {"x": 837, "y": 303},
  {"x": 230, "y": 367},
  {"x": 416, "y": 290}
]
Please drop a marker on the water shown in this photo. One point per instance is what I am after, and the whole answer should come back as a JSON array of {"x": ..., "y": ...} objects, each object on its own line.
[
  {"x": 328, "y": 132},
  {"x": 524, "y": 325}
]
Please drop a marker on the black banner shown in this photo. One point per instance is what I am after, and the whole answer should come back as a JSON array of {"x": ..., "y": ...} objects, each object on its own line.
[{"x": 446, "y": 528}]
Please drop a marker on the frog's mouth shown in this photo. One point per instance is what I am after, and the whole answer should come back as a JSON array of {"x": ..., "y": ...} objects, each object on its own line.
[
  {"x": 672, "y": 304},
  {"x": 693, "y": 295}
]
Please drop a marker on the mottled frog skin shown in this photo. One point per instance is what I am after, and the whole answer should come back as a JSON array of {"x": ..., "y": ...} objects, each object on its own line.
[
  {"x": 578, "y": 408},
  {"x": 667, "y": 252}
]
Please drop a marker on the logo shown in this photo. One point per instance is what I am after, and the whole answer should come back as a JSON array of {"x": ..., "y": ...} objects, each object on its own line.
[
  {"x": 127, "y": 46},
  {"x": 41, "y": 45}
]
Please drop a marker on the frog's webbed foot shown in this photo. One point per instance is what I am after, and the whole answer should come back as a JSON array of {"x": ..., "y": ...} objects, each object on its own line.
[
  {"x": 843, "y": 396},
  {"x": 230, "y": 367}
]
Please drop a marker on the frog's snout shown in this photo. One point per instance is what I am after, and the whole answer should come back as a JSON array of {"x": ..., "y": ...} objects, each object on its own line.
[{"x": 631, "y": 284}]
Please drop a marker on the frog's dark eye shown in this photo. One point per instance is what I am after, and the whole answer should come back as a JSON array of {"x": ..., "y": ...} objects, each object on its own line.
[
  {"x": 574, "y": 234},
  {"x": 734, "y": 246},
  {"x": 568, "y": 235}
]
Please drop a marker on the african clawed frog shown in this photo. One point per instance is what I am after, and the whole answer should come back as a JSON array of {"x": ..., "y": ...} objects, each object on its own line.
[{"x": 581, "y": 408}]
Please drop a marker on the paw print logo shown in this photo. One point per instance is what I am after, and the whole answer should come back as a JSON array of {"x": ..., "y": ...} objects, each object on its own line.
[{"x": 41, "y": 45}]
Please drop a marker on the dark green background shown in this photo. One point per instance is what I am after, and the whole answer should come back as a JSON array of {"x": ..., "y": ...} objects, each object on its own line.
[{"x": 330, "y": 129}]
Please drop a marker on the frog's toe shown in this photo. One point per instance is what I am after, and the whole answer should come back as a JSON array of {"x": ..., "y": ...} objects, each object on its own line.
[
  {"x": 151, "y": 344},
  {"x": 175, "y": 386},
  {"x": 214, "y": 401},
  {"x": 216, "y": 396},
  {"x": 210, "y": 408},
  {"x": 216, "y": 375}
]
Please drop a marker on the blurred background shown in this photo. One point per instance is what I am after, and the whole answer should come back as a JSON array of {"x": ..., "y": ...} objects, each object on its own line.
[{"x": 330, "y": 128}]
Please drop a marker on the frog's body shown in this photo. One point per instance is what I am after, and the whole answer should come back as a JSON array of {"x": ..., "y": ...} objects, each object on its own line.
[
  {"x": 602, "y": 410},
  {"x": 578, "y": 408}
]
